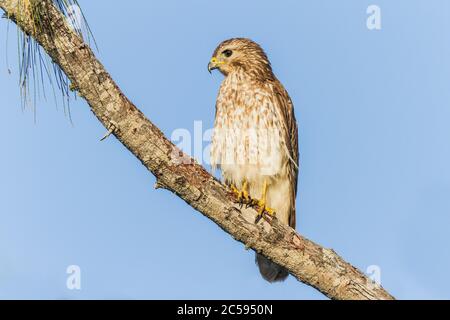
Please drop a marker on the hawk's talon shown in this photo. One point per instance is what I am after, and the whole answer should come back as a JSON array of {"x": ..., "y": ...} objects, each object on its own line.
[
  {"x": 242, "y": 195},
  {"x": 262, "y": 210},
  {"x": 253, "y": 203}
]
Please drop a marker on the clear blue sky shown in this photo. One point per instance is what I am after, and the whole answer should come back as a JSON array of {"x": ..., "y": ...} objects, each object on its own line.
[{"x": 374, "y": 115}]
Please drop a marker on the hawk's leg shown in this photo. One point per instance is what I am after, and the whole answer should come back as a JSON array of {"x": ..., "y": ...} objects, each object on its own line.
[
  {"x": 262, "y": 204},
  {"x": 242, "y": 195}
]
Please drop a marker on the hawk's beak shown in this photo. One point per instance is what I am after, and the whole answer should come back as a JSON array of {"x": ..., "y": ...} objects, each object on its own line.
[{"x": 213, "y": 64}]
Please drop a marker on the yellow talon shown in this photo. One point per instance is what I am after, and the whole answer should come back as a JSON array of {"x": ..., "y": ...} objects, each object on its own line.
[
  {"x": 262, "y": 209},
  {"x": 242, "y": 195},
  {"x": 235, "y": 190}
]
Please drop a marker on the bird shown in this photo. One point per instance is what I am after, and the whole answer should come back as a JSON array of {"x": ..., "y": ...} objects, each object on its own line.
[{"x": 255, "y": 137}]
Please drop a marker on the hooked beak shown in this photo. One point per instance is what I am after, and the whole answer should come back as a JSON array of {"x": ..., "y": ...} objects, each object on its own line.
[{"x": 213, "y": 64}]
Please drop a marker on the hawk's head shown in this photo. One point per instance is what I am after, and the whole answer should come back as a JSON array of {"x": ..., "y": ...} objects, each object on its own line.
[{"x": 240, "y": 54}]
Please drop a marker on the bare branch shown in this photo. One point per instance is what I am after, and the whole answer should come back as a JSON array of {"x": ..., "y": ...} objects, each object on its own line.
[{"x": 310, "y": 263}]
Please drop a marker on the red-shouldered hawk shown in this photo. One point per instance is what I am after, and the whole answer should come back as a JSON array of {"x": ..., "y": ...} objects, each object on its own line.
[{"x": 255, "y": 141}]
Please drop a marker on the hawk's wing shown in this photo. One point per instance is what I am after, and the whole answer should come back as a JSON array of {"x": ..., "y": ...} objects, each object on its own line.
[{"x": 290, "y": 135}]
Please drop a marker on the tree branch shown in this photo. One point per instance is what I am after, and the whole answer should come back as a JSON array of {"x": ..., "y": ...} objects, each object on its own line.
[{"x": 310, "y": 263}]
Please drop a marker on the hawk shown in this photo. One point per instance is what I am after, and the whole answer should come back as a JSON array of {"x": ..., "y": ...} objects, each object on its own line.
[{"x": 255, "y": 142}]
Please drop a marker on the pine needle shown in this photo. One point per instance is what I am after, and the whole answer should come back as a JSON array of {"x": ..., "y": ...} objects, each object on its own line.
[{"x": 34, "y": 64}]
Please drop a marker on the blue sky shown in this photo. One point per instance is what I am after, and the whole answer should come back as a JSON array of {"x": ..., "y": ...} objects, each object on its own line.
[{"x": 373, "y": 109}]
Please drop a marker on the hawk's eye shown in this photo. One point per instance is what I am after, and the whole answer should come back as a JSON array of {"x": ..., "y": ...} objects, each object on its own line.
[{"x": 227, "y": 53}]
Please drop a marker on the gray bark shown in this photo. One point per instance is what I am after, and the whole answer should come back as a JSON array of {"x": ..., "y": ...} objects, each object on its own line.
[{"x": 307, "y": 261}]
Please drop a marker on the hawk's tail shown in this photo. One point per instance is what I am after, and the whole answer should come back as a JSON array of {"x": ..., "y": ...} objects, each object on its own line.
[{"x": 269, "y": 270}]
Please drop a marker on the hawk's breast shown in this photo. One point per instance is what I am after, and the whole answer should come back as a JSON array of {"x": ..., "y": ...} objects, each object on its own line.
[{"x": 247, "y": 140}]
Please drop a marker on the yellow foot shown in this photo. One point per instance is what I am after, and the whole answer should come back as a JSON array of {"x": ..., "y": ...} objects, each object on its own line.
[
  {"x": 242, "y": 195},
  {"x": 262, "y": 209}
]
